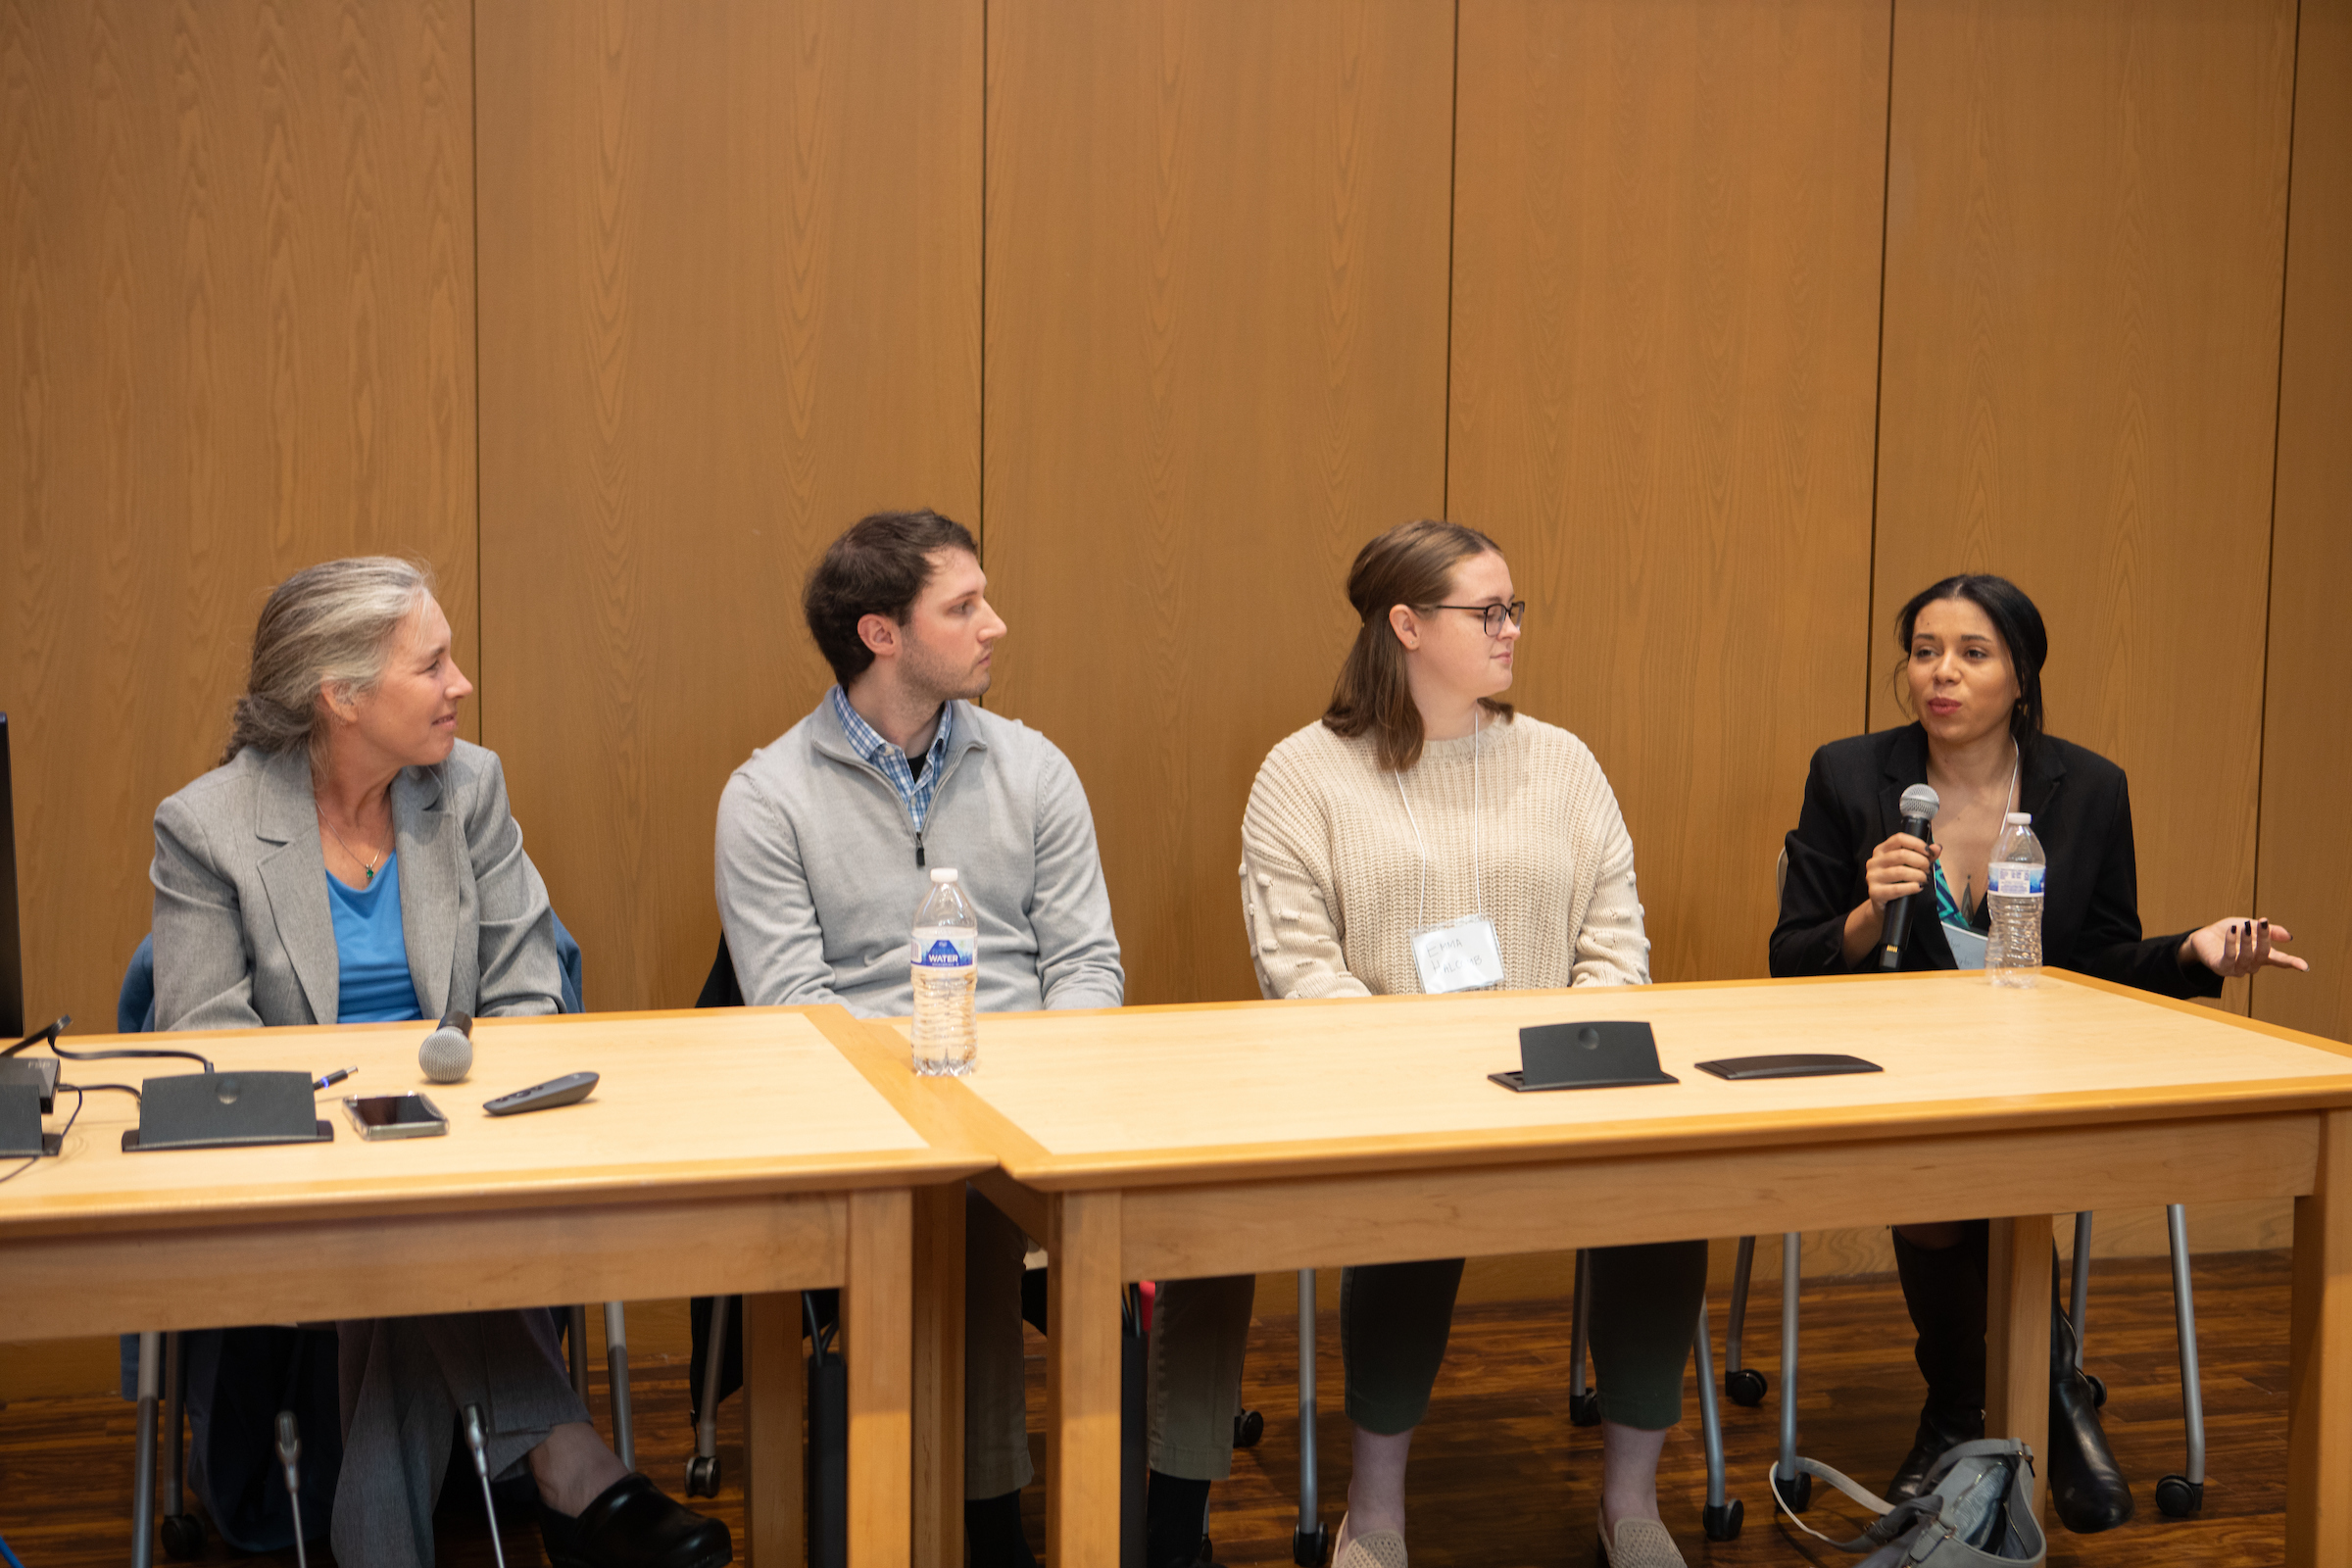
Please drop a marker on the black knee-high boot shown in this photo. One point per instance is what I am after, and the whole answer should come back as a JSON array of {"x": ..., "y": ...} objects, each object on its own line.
[
  {"x": 2086, "y": 1487},
  {"x": 1945, "y": 1288}
]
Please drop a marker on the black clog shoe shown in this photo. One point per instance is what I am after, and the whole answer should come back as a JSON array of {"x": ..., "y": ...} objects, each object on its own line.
[{"x": 634, "y": 1524}]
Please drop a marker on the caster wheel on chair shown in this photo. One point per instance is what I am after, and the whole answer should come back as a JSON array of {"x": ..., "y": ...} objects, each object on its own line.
[
  {"x": 702, "y": 1476},
  {"x": 1310, "y": 1548},
  {"x": 1796, "y": 1492},
  {"x": 1584, "y": 1409},
  {"x": 2098, "y": 1391},
  {"x": 1743, "y": 1386},
  {"x": 183, "y": 1537},
  {"x": 1723, "y": 1524},
  {"x": 2177, "y": 1496},
  {"x": 1247, "y": 1428}
]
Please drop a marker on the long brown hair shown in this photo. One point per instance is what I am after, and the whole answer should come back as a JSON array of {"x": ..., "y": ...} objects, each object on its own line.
[{"x": 1411, "y": 565}]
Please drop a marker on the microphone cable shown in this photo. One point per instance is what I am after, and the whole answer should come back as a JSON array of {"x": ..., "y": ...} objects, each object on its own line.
[{"x": 48, "y": 1037}]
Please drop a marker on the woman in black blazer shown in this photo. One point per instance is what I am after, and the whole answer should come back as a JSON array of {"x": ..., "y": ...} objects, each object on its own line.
[{"x": 1973, "y": 651}]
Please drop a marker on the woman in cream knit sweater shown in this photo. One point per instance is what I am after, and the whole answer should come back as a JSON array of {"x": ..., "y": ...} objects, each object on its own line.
[{"x": 1421, "y": 799}]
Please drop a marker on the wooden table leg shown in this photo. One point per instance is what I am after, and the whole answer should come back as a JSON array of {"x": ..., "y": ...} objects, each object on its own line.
[
  {"x": 877, "y": 1311},
  {"x": 2319, "y": 1397},
  {"x": 2017, "y": 1339},
  {"x": 938, "y": 1376},
  {"x": 776, "y": 1401},
  {"x": 1082, "y": 1382}
]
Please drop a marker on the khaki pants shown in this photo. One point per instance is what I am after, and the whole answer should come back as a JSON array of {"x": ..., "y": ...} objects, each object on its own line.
[{"x": 1200, "y": 1330}]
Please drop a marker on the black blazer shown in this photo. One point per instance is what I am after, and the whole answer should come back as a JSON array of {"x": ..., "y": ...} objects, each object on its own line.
[{"x": 2082, "y": 811}]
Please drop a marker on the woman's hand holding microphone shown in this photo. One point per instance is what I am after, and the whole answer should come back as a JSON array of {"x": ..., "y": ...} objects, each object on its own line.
[{"x": 1895, "y": 869}]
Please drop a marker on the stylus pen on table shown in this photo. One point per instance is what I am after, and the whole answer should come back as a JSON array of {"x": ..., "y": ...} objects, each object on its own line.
[{"x": 335, "y": 1078}]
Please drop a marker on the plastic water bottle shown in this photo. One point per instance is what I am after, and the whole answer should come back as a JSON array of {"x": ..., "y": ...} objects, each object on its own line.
[
  {"x": 2013, "y": 883},
  {"x": 945, "y": 956}
]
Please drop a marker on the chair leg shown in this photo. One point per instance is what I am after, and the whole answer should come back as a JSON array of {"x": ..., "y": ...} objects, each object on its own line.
[
  {"x": 1721, "y": 1516},
  {"x": 1742, "y": 1384},
  {"x": 616, "y": 1368},
  {"x": 1310, "y": 1541},
  {"x": 2184, "y": 1494},
  {"x": 183, "y": 1532},
  {"x": 575, "y": 1351},
  {"x": 1584, "y": 1404},
  {"x": 1793, "y": 1485},
  {"x": 702, "y": 1471},
  {"x": 142, "y": 1485},
  {"x": 2078, "y": 1301}
]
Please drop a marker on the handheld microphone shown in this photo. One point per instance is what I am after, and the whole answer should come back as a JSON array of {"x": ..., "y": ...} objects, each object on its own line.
[
  {"x": 447, "y": 1054},
  {"x": 1919, "y": 811}
]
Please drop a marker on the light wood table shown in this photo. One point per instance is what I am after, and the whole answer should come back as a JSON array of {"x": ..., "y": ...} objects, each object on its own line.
[
  {"x": 722, "y": 1151},
  {"x": 1172, "y": 1143}
]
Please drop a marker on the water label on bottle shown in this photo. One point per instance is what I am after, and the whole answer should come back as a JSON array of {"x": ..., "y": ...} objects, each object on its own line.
[
  {"x": 2015, "y": 879},
  {"x": 946, "y": 953}
]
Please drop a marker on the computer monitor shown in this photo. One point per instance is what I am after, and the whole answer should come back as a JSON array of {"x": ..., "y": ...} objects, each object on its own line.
[{"x": 12, "y": 950}]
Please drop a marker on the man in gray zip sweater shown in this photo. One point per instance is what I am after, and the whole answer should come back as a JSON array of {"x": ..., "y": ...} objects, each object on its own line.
[{"x": 825, "y": 843}]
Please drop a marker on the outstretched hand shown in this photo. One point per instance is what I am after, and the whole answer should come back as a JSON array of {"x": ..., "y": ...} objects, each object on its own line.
[{"x": 2231, "y": 947}]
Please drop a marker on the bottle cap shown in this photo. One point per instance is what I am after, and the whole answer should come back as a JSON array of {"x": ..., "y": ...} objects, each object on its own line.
[
  {"x": 2019, "y": 819},
  {"x": 943, "y": 873}
]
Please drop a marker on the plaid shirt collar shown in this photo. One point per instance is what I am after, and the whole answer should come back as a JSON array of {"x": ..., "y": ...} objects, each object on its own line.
[{"x": 869, "y": 745}]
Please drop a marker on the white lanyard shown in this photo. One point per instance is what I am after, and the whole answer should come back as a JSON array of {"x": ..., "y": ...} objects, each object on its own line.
[
  {"x": 1478, "y": 883},
  {"x": 1463, "y": 954}
]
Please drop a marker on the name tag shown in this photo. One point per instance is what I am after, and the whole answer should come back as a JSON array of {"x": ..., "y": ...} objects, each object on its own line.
[{"x": 1461, "y": 956}]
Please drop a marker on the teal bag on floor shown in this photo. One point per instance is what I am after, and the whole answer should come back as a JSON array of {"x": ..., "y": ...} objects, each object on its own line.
[{"x": 1977, "y": 1511}]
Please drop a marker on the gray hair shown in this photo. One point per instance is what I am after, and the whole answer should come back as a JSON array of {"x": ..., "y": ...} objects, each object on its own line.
[{"x": 330, "y": 624}]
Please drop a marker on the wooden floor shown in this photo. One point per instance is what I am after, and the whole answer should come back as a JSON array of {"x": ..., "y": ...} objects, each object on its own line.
[{"x": 1499, "y": 1477}]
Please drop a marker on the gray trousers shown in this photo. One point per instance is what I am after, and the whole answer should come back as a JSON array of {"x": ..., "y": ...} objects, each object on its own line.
[{"x": 403, "y": 1382}]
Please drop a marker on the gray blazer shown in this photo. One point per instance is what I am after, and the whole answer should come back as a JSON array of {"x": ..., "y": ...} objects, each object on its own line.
[{"x": 243, "y": 936}]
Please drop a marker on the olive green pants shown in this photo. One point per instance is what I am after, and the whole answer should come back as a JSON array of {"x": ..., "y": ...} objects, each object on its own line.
[{"x": 1393, "y": 1322}]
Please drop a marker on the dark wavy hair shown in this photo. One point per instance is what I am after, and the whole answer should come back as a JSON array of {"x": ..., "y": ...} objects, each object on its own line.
[
  {"x": 2017, "y": 623},
  {"x": 876, "y": 568},
  {"x": 1410, "y": 564}
]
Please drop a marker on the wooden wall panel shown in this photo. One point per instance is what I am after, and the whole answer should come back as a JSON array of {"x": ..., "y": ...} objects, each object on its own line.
[
  {"x": 1216, "y": 340},
  {"x": 2087, "y": 217},
  {"x": 2306, "y": 860},
  {"x": 239, "y": 340},
  {"x": 730, "y": 269},
  {"x": 1666, "y": 271}
]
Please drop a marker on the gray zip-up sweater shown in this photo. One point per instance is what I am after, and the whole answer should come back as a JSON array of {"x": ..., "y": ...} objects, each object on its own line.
[{"x": 820, "y": 871}]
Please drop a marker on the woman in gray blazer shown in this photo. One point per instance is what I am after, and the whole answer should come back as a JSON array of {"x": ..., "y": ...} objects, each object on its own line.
[{"x": 352, "y": 861}]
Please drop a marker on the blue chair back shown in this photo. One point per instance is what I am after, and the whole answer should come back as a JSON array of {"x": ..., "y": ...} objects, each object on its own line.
[{"x": 135, "y": 1008}]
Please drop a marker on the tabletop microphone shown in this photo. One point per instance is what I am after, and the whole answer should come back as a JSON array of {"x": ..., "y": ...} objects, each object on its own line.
[
  {"x": 447, "y": 1054},
  {"x": 289, "y": 1455},
  {"x": 1919, "y": 811}
]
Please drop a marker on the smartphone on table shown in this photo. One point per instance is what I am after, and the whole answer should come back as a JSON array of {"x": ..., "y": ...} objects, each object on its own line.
[{"x": 375, "y": 1116}]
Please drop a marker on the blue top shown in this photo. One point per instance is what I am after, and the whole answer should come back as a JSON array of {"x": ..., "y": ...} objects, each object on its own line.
[{"x": 371, "y": 954}]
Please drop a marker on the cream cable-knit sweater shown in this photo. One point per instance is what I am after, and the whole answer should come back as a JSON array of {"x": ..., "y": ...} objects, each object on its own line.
[{"x": 1331, "y": 879}]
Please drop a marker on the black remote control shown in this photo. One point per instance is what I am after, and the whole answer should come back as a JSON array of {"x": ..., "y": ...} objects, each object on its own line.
[{"x": 568, "y": 1089}]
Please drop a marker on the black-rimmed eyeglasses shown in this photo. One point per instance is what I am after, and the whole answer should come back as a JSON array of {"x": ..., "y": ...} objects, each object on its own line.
[{"x": 1492, "y": 615}]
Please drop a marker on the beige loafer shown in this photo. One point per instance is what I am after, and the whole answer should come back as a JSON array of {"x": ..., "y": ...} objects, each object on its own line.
[
  {"x": 1640, "y": 1544},
  {"x": 1375, "y": 1548}
]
